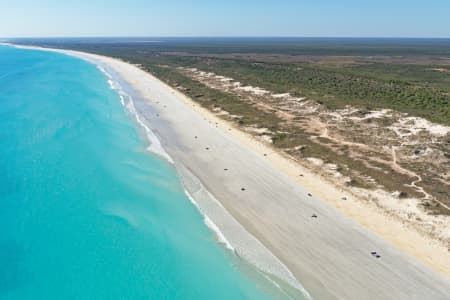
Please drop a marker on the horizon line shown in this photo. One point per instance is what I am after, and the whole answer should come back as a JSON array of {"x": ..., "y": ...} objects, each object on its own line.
[{"x": 223, "y": 36}]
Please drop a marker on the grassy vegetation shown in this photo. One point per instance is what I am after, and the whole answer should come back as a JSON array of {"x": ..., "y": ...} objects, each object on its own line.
[
  {"x": 359, "y": 86},
  {"x": 419, "y": 89},
  {"x": 216, "y": 99}
]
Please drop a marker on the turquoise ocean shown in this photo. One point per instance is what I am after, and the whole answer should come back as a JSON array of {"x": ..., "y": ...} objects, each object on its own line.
[{"x": 86, "y": 212}]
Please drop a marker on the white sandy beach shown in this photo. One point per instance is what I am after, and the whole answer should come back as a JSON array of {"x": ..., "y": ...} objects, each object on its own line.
[{"x": 264, "y": 196}]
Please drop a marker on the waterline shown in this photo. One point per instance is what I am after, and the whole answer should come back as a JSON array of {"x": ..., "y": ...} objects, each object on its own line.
[{"x": 87, "y": 212}]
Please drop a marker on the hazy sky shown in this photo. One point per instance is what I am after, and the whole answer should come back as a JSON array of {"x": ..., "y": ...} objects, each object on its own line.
[{"x": 350, "y": 18}]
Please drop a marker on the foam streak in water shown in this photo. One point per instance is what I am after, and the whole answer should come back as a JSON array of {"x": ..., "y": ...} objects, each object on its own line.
[
  {"x": 211, "y": 225},
  {"x": 127, "y": 102}
]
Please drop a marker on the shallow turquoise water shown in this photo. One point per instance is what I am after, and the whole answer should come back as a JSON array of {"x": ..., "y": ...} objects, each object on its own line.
[{"x": 85, "y": 211}]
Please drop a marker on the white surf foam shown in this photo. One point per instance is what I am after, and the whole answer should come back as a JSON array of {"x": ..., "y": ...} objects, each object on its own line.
[
  {"x": 210, "y": 224},
  {"x": 240, "y": 241},
  {"x": 127, "y": 101},
  {"x": 224, "y": 241}
]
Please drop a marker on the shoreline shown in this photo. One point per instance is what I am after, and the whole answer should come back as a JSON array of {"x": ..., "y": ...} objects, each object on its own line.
[
  {"x": 208, "y": 206},
  {"x": 227, "y": 230},
  {"x": 276, "y": 162},
  {"x": 211, "y": 209},
  {"x": 269, "y": 267}
]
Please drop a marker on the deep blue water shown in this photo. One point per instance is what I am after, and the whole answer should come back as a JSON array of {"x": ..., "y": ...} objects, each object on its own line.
[{"x": 85, "y": 211}]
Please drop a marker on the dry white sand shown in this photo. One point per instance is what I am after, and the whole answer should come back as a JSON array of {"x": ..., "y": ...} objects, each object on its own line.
[{"x": 331, "y": 254}]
